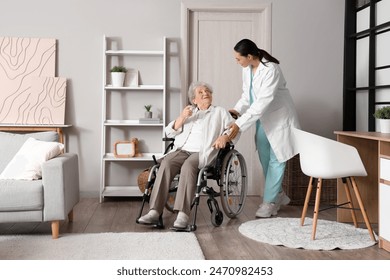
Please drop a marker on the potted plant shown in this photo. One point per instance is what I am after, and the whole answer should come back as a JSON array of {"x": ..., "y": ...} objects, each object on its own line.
[
  {"x": 118, "y": 74},
  {"x": 148, "y": 113},
  {"x": 383, "y": 115}
]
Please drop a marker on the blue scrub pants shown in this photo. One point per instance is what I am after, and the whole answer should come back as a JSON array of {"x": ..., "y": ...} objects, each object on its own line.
[{"x": 273, "y": 169}]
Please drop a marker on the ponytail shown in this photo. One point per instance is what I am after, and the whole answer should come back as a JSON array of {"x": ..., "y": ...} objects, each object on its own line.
[
  {"x": 246, "y": 47},
  {"x": 267, "y": 56}
]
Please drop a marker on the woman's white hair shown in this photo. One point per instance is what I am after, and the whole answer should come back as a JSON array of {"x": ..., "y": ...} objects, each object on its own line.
[{"x": 192, "y": 88}]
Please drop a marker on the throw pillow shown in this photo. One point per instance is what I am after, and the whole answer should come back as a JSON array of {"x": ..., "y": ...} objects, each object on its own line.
[
  {"x": 26, "y": 164},
  {"x": 10, "y": 143}
]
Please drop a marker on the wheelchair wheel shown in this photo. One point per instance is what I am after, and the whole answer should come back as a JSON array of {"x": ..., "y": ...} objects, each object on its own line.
[
  {"x": 233, "y": 183},
  {"x": 216, "y": 214},
  {"x": 217, "y": 218}
]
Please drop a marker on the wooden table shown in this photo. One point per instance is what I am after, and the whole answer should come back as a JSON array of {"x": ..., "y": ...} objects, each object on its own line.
[
  {"x": 36, "y": 128},
  {"x": 371, "y": 146}
]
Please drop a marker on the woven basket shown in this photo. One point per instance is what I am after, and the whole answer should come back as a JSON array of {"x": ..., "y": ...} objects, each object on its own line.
[
  {"x": 295, "y": 185},
  {"x": 143, "y": 179}
]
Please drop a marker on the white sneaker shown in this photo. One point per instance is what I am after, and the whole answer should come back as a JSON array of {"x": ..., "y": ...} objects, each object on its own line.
[
  {"x": 267, "y": 210},
  {"x": 149, "y": 219},
  {"x": 282, "y": 199},
  {"x": 181, "y": 220}
]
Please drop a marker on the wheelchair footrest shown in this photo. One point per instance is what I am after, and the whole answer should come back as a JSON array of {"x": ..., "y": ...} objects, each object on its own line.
[
  {"x": 189, "y": 228},
  {"x": 210, "y": 191}
]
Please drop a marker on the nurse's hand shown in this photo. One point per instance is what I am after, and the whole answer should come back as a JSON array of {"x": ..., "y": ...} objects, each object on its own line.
[
  {"x": 221, "y": 141},
  {"x": 233, "y": 131}
]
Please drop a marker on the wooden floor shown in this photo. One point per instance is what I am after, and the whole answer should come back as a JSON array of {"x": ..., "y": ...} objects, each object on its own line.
[{"x": 218, "y": 243}]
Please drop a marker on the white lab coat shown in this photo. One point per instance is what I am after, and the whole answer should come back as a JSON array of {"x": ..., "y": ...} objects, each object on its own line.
[
  {"x": 215, "y": 123},
  {"x": 272, "y": 105}
]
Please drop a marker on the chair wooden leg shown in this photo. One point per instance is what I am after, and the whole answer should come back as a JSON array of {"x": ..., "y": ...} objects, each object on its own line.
[
  {"x": 307, "y": 199},
  {"x": 316, "y": 208},
  {"x": 349, "y": 197},
  {"x": 364, "y": 213},
  {"x": 55, "y": 229}
]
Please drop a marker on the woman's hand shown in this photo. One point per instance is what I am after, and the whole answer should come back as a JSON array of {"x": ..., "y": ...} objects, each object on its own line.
[
  {"x": 233, "y": 129},
  {"x": 185, "y": 114},
  {"x": 221, "y": 141}
]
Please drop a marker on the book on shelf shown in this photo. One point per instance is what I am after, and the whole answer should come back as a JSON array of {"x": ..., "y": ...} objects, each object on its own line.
[{"x": 149, "y": 120}]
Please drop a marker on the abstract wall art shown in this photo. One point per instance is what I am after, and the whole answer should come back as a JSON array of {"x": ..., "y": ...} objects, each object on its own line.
[
  {"x": 47, "y": 101},
  {"x": 22, "y": 60}
]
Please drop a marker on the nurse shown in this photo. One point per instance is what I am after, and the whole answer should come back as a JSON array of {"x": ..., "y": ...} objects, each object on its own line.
[{"x": 266, "y": 103}]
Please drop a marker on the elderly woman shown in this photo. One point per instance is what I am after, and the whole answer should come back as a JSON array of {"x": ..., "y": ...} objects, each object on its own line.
[{"x": 199, "y": 131}]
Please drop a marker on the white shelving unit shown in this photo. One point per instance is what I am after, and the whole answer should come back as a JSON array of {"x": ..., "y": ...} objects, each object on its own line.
[{"x": 122, "y": 107}]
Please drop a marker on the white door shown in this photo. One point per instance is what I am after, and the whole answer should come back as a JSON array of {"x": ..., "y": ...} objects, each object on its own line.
[{"x": 211, "y": 33}]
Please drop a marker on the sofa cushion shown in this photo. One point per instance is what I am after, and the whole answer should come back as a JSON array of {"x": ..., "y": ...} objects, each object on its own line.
[
  {"x": 10, "y": 143},
  {"x": 21, "y": 195},
  {"x": 26, "y": 164}
]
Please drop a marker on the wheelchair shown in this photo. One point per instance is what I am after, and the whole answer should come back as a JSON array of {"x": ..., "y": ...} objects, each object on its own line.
[{"x": 230, "y": 173}]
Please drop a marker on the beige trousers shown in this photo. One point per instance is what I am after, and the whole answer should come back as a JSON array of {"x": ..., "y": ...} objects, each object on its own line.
[{"x": 186, "y": 164}]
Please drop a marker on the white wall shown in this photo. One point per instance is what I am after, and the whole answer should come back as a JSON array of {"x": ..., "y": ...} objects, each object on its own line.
[{"x": 307, "y": 37}]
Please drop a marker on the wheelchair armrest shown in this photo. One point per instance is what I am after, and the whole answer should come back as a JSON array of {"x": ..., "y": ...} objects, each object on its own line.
[
  {"x": 222, "y": 152},
  {"x": 220, "y": 157},
  {"x": 170, "y": 146}
]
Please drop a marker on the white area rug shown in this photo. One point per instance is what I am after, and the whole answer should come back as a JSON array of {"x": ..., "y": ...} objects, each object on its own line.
[
  {"x": 102, "y": 246},
  {"x": 288, "y": 232}
]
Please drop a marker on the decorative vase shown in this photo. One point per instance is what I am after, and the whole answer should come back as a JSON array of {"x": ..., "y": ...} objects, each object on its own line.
[
  {"x": 384, "y": 125},
  {"x": 118, "y": 79},
  {"x": 148, "y": 114}
]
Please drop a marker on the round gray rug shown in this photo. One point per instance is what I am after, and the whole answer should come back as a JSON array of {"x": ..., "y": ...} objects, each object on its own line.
[{"x": 330, "y": 235}]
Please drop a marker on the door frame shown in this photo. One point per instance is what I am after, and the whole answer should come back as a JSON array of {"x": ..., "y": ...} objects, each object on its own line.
[
  {"x": 188, "y": 7},
  {"x": 265, "y": 32}
]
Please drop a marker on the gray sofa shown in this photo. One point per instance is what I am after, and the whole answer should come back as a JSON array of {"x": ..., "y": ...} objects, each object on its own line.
[{"x": 51, "y": 198}]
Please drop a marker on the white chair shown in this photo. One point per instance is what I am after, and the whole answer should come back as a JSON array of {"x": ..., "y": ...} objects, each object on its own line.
[{"x": 323, "y": 158}]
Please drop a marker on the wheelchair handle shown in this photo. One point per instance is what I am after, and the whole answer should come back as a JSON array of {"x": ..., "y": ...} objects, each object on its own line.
[
  {"x": 229, "y": 146},
  {"x": 154, "y": 159},
  {"x": 235, "y": 116}
]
